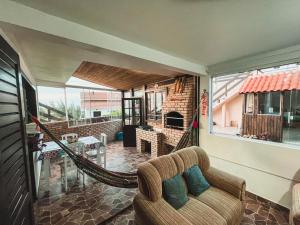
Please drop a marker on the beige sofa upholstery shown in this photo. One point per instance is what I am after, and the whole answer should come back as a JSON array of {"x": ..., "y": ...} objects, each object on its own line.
[
  {"x": 221, "y": 204},
  {"x": 295, "y": 210}
]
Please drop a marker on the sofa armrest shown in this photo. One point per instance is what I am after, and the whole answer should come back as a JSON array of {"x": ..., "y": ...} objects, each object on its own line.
[
  {"x": 295, "y": 210},
  {"x": 158, "y": 212},
  {"x": 227, "y": 182}
]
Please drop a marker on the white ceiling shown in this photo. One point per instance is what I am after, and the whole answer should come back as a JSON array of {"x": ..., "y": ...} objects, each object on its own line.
[
  {"x": 201, "y": 31},
  {"x": 54, "y": 59}
]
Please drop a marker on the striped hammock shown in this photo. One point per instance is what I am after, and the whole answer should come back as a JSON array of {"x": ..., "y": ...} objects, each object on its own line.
[{"x": 112, "y": 178}]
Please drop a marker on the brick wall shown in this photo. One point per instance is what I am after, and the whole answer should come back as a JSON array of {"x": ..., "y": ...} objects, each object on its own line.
[
  {"x": 154, "y": 138},
  {"x": 110, "y": 128},
  {"x": 179, "y": 102}
]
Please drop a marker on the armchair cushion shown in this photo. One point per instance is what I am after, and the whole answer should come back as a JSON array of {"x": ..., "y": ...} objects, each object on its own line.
[
  {"x": 174, "y": 191},
  {"x": 195, "y": 180}
]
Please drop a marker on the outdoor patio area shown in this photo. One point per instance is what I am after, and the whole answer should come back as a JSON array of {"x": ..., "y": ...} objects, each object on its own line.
[
  {"x": 98, "y": 203},
  {"x": 90, "y": 205}
]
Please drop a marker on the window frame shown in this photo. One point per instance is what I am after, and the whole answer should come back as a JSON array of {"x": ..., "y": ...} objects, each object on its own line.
[
  {"x": 270, "y": 114},
  {"x": 156, "y": 115},
  {"x": 64, "y": 87},
  {"x": 246, "y": 102},
  {"x": 211, "y": 132}
]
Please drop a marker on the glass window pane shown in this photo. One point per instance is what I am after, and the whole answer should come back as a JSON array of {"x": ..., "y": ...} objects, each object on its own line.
[
  {"x": 51, "y": 104},
  {"x": 291, "y": 117},
  {"x": 151, "y": 105},
  {"x": 269, "y": 103},
  {"x": 249, "y": 103},
  {"x": 76, "y": 104},
  {"x": 138, "y": 93},
  {"x": 127, "y": 94},
  {"x": 159, "y": 101},
  {"x": 116, "y": 105}
]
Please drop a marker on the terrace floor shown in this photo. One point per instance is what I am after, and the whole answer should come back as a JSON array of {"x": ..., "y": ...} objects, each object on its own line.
[
  {"x": 90, "y": 205},
  {"x": 98, "y": 202}
]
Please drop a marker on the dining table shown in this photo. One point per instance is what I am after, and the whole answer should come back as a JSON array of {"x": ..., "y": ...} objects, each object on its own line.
[{"x": 52, "y": 150}]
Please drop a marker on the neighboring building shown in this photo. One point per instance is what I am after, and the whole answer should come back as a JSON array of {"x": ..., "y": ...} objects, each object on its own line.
[
  {"x": 228, "y": 104},
  {"x": 228, "y": 113},
  {"x": 99, "y": 103},
  {"x": 272, "y": 106}
]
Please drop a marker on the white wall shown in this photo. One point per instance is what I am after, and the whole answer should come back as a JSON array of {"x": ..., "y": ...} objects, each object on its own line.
[
  {"x": 23, "y": 64},
  {"x": 269, "y": 169}
]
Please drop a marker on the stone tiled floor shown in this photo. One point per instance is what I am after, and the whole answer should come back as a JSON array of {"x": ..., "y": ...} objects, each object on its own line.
[
  {"x": 262, "y": 212},
  {"x": 97, "y": 202},
  {"x": 92, "y": 204},
  {"x": 258, "y": 212}
]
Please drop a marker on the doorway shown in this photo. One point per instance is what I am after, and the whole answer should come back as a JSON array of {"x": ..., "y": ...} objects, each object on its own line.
[{"x": 131, "y": 119}]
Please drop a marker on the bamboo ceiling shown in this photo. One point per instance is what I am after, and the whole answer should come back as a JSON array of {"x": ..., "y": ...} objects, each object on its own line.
[{"x": 115, "y": 77}]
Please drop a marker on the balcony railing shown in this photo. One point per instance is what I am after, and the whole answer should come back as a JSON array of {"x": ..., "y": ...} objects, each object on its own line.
[{"x": 48, "y": 113}]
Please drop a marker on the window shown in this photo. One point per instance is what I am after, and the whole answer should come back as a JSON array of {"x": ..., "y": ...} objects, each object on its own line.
[
  {"x": 269, "y": 103},
  {"x": 92, "y": 106},
  {"x": 291, "y": 116},
  {"x": 154, "y": 104},
  {"x": 83, "y": 105},
  {"x": 52, "y": 105},
  {"x": 249, "y": 103},
  {"x": 262, "y": 105},
  {"x": 138, "y": 93},
  {"x": 78, "y": 109}
]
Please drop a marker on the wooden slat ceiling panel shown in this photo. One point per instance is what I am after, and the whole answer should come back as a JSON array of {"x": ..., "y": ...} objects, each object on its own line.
[{"x": 115, "y": 77}]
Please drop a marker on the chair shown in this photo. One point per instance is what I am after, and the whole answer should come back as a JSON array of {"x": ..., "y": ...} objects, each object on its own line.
[
  {"x": 103, "y": 138},
  {"x": 222, "y": 203},
  {"x": 68, "y": 165},
  {"x": 70, "y": 136},
  {"x": 295, "y": 210},
  {"x": 98, "y": 152}
]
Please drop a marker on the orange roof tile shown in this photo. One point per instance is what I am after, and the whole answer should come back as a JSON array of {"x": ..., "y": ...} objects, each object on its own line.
[{"x": 282, "y": 81}]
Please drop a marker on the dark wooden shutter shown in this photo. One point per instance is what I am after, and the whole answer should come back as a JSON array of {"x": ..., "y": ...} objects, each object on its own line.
[{"x": 15, "y": 197}]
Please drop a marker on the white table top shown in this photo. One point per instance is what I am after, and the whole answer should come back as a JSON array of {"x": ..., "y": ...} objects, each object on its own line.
[
  {"x": 52, "y": 146},
  {"x": 89, "y": 140}
]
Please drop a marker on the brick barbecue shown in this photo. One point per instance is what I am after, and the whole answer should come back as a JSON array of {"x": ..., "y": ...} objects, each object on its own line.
[
  {"x": 181, "y": 103},
  {"x": 155, "y": 138}
]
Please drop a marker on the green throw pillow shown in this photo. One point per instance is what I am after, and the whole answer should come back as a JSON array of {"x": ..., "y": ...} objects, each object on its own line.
[
  {"x": 195, "y": 180},
  {"x": 174, "y": 191}
]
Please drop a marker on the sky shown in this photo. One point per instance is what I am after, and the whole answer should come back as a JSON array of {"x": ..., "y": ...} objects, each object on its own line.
[{"x": 51, "y": 94}]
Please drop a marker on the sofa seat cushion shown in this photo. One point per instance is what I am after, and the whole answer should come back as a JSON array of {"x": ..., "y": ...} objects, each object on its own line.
[
  {"x": 199, "y": 213},
  {"x": 226, "y": 205}
]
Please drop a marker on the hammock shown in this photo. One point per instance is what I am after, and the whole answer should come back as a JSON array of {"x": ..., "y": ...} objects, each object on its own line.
[{"x": 112, "y": 178}]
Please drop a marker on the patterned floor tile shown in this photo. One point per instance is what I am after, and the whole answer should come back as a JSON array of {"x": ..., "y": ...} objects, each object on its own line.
[
  {"x": 91, "y": 204},
  {"x": 96, "y": 202}
]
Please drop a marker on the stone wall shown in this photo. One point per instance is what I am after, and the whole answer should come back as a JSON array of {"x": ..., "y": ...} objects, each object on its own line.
[{"x": 110, "y": 128}]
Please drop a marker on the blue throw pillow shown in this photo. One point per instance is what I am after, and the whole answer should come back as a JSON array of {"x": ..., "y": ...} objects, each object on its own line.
[
  {"x": 195, "y": 180},
  {"x": 174, "y": 191}
]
